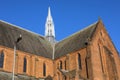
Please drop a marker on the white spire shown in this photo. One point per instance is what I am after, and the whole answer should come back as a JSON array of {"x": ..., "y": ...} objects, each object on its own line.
[
  {"x": 49, "y": 13},
  {"x": 49, "y": 27}
]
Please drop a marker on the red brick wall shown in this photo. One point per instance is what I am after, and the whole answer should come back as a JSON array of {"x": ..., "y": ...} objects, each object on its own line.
[
  {"x": 72, "y": 64},
  {"x": 99, "y": 56},
  {"x": 98, "y": 61},
  {"x": 34, "y": 63}
]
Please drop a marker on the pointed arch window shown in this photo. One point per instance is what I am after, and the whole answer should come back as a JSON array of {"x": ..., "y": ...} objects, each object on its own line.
[
  {"x": 44, "y": 69},
  {"x": 60, "y": 63},
  {"x": 1, "y": 59},
  {"x": 65, "y": 64},
  {"x": 79, "y": 61},
  {"x": 111, "y": 66},
  {"x": 25, "y": 65}
]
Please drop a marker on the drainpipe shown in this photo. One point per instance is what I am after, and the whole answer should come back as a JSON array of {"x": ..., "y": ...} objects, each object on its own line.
[{"x": 53, "y": 57}]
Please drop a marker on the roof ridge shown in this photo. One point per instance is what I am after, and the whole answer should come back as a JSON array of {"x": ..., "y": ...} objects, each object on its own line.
[
  {"x": 18, "y": 27},
  {"x": 78, "y": 32}
]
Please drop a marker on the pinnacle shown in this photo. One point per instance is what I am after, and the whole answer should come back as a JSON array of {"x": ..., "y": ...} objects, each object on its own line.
[{"x": 49, "y": 13}]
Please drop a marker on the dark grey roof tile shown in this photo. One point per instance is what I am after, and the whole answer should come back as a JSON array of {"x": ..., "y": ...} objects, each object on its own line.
[
  {"x": 31, "y": 42},
  {"x": 38, "y": 45},
  {"x": 74, "y": 42}
]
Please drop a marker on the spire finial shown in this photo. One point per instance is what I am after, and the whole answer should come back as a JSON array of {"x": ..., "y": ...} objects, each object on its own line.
[
  {"x": 49, "y": 12},
  {"x": 99, "y": 18}
]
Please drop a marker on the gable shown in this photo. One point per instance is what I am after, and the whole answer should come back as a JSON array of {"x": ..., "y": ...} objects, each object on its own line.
[
  {"x": 103, "y": 36},
  {"x": 102, "y": 46}
]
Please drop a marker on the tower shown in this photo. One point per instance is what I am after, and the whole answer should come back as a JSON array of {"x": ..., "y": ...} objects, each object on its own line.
[{"x": 49, "y": 28}]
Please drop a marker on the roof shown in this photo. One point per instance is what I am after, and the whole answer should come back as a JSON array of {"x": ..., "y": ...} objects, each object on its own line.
[
  {"x": 36, "y": 44},
  {"x": 31, "y": 42},
  {"x": 75, "y": 41}
]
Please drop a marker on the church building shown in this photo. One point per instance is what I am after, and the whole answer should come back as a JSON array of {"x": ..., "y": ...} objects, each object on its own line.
[{"x": 88, "y": 54}]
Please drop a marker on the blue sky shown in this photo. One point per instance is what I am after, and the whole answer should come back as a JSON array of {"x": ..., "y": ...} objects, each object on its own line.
[{"x": 69, "y": 16}]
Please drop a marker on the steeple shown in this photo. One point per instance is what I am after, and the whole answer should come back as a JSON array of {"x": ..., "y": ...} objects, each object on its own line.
[
  {"x": 49, "y": 13},
  {"x": 49, "y": 28}
]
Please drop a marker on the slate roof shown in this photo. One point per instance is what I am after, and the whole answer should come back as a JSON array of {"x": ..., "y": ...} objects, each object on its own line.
[
  {"x": 74, "y": 42},
  {"x": 31, "y": 42},
  {"x": 38, "y": 45}
]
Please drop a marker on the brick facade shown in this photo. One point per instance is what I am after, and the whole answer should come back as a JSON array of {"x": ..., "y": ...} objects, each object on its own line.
[
  {"x": 98, "y": 60},
  {"x": 34, "y": 63}
]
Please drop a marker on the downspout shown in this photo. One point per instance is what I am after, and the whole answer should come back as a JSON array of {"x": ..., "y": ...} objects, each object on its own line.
[{"x": 53, "y": 57}]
